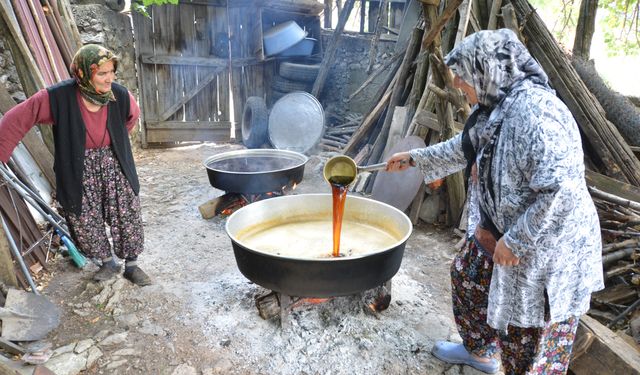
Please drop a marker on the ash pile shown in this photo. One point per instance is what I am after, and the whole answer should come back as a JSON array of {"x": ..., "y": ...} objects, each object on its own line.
[{"x": 341, "y": 335}]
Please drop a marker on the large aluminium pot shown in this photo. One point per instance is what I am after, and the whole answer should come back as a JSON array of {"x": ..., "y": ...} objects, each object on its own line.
[
  {"x": 255, "y": 171},
  {"x": 318, "y": 277}
]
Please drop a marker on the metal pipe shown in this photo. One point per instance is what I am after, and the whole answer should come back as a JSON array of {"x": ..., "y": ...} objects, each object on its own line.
[
  {"x": 8, "y": 175},
  {"x": 18, "y": 256},
  {"x": 24, "y": 193}
]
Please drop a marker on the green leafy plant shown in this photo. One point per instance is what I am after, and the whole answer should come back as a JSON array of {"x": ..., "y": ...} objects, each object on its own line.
[
  {"x": 620, "y": 26},
  {"x": 617, "y": 20},
  {"x": 141, "y": 6}
]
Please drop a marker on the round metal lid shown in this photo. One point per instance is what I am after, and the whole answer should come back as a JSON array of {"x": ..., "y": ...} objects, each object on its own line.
[{"x": 296, "y": 122}]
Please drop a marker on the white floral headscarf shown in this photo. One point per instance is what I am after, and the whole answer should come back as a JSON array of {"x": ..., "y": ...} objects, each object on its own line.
[{"x": 494, "y": 62}]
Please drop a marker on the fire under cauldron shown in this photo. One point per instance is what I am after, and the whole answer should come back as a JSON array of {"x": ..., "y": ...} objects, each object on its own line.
[
  {"x": 255, "y": 171},
  {"x": 317, "y": 277}
]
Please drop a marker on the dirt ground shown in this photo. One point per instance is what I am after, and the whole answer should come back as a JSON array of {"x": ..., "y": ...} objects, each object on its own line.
[{"x": 199, "y": 315}]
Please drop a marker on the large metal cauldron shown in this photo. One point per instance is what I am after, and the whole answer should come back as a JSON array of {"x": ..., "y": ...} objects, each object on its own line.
[
  {"x": 255, "y": 171},
  {"x": 322, "y": 277}
]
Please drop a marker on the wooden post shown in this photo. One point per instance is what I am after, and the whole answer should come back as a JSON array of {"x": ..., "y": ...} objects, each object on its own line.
[
  {"x": 510, "y": 20},
  {"x": 440, "y": 75},
  {"x": 29, "y": 73},
  {"x": 329, "y": 55},
  {"x": 465, "y": 13},
  {"x": 32, "y": 141},
  {"x": 438, "y": 23},
  {"x": 455, "y": 182},
  {"x": 328, "y": 10},
  {"x": 403, "y": 73},
  {"x": 7, "y": 269},
  {"x": 601, "y": 351},
  {"x": 493, "y": 15},
  {"x": 382, "y": 18}
]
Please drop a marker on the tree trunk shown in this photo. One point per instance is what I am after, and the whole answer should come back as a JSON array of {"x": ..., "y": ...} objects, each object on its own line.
[
  {"x": 585, "y": 29},
  {"x": 328, "y": 10},
  {"x": 608, "y": 149}
]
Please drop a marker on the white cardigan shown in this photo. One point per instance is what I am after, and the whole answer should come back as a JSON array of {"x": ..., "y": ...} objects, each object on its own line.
[{"x": 542, "y": 206}]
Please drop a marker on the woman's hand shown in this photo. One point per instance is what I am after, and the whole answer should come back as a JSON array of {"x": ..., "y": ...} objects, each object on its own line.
[
  {"x": 503, "y": 255},
  {"x": 399, "y": 162}
]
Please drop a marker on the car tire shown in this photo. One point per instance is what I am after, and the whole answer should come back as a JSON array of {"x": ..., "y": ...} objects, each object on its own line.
[
  {"x": 255, "y": 121},
  {"x": 286, "y": 85},
  {"x": 299, "y": 72}
]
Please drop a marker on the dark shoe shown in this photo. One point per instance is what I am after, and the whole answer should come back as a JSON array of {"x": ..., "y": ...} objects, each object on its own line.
[
  {"x": 456, "y": 354},
  {"x": 107, "y": 271},
  {"x": 136, "y": 276}
]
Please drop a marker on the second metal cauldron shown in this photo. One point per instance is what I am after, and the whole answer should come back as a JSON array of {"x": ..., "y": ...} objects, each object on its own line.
[
  {"x": 255, "y": 171},
  {"x": 322, "y": 277}
]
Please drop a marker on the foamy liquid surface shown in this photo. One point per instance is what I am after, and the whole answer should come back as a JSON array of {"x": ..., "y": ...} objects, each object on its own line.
[{"x": 314, "y": 239}]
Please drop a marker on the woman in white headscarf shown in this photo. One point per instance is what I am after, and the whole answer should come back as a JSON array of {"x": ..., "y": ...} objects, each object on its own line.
[{"x": 534, "y": 250}]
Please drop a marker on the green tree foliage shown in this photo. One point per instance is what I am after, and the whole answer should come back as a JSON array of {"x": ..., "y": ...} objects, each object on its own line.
[
  {"x": 620, "y": 25},
  {"x": 617, "y": 20},
  {"x": 142, "y": 5}
]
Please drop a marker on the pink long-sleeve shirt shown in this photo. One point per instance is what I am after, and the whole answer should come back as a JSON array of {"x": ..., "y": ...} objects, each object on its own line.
[{"x": 37, "y": 110}]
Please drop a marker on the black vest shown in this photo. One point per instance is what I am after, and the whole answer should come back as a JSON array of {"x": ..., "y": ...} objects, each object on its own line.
[{"x": 69, "y": 135}]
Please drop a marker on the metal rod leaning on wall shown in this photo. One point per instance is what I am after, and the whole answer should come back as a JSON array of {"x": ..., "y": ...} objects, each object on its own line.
[
  {"x": 24, "y": 193},
  {"x": 8, "y": 174},
  {"x": 18, "y": 256}
]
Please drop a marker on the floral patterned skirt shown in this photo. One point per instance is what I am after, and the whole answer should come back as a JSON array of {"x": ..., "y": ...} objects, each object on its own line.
[
  {"x": 107, "y": 199},
  {"x": 538, "y": 350}
]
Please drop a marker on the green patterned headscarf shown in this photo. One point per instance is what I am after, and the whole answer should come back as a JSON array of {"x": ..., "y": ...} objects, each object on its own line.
[{"x": 86, "y": 63}]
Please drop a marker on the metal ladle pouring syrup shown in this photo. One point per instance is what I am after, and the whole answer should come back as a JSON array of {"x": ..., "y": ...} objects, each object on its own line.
[{"x": 343, "y": 170}]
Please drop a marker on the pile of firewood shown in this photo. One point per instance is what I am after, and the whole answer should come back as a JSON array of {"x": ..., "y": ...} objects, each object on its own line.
[
  {"x": 617, "y": 304},
  {"x": 337, "y": 136}
]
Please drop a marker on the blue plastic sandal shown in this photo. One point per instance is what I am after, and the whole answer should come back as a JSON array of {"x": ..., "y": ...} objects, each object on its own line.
[{"x": 456, "y": 354}]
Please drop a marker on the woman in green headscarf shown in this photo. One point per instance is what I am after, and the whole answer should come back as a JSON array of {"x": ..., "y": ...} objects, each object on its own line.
[{"x": 96, "y": 179}]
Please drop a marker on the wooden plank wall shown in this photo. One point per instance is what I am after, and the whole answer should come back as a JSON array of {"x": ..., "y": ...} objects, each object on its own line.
[{"x": 180, "y": 74}]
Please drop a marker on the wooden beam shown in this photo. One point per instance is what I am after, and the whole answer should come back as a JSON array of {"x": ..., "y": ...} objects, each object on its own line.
[
  {"x": 375, "y": 75},
  {"x": 307, "y": 7},
  {"x": 32, "y": 141},
  {"x": 215, "y": 206},
  {"x": 511, "y": 21},
  {"x": 396, "y": 96},
  {"x": 367, "y": 123},
  {"x": 439, "y": 23},
  {"x": 328, "y": 12},
  {"x": 190, "y": 125},
  {"x": 430, "y": 120},
  {"x": 465, "y": 14},
  {"x": 330, "y": 53},
  {"x": 382, "y": 19},
  {"x": 196, "y": 61},
  {"x": 604, "y": 352},
  {"x": 493, "y": 14},
  {"x": 24, "y": 62},
  {"x": 612, "y": 186},
  {"x": 180, "y": 135},
  {"x": 7, "y": 269}
]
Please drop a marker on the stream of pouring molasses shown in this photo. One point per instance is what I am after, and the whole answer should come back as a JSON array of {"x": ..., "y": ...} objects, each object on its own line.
[{"x": 339, "y": 192}]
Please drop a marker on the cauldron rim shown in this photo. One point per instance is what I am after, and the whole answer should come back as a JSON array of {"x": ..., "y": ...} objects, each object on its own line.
[
  {"x": 284, "y": 154},
  {"x": 390, "y": 248}
]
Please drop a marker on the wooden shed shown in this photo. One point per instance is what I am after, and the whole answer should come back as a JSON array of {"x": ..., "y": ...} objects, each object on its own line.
[{"x": 200, "y": 60}]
